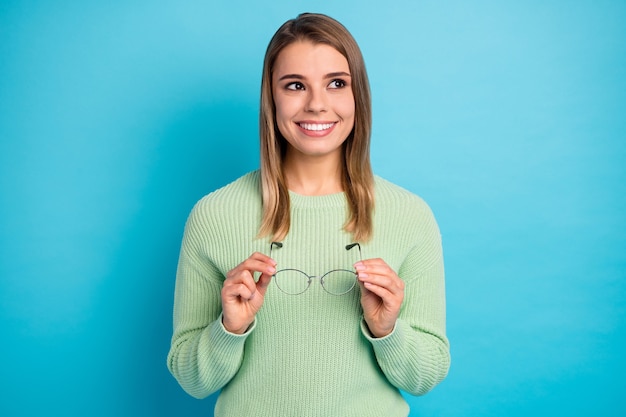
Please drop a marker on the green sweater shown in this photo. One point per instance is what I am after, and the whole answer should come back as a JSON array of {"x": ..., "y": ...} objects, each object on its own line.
[{"x": 309, "y": 354}]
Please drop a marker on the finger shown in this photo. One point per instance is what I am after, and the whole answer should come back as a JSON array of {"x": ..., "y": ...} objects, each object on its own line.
[
  {"x": 255, "y": 262},
  {"x": 252, "y": 265},
  {"x": 378, "y": 272},
  {"x": 263, "y": 283},
  {"x": 392, "y": 283},
  {"x": 241, "y": 276},
  {"x": 374, "y": 266},
  {"x": 263, "y": 258},
  {"x": 383, "y": 293},
  {"x": 239, "y": 290}
]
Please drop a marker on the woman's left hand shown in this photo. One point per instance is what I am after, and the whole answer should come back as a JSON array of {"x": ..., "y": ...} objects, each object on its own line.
[{"x": 382, "y": 293}]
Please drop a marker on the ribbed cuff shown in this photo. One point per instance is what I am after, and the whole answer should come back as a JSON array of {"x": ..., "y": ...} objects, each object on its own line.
[
  {"x": 386, "y": 346},
  {"x": 226, "y": 338}
]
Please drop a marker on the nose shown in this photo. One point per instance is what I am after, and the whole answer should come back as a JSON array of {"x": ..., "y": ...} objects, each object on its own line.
[{"x": 316, "y": 101}]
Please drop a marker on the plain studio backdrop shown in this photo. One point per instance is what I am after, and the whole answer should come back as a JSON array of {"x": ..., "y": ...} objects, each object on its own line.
[{"x": 507, "y": 117}]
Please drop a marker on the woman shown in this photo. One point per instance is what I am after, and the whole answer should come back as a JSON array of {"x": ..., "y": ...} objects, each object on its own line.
[{"x": 257, "y": 312}]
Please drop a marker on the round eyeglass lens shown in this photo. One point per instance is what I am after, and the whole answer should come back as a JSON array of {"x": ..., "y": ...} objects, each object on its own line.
[
  {"x": 339, "y": 282},
  {"x": 292, "y": 281}
]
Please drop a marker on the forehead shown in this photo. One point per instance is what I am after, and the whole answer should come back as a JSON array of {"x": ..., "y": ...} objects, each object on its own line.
[{"x": 309, "y": 59}]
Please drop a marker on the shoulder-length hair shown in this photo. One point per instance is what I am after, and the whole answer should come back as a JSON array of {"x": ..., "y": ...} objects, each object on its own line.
[{"x": 357, "y": 176}]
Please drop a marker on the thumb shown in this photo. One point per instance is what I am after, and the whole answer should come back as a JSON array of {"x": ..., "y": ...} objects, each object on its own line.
[{"x": 263, "y": 283}]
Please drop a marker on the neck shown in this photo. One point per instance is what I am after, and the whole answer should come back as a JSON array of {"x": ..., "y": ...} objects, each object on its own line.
[{"x": 313, "y": 176}]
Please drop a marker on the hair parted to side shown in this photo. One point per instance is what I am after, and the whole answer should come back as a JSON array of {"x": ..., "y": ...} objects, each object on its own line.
[{"x": 358, "y": 179}]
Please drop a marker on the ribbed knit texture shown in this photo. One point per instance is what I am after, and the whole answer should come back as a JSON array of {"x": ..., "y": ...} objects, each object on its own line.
[{"x": 309, "y": 354}]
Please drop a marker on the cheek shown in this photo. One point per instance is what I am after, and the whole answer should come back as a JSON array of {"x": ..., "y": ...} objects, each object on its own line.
[
  {"x": 284, "y": 110},
  {"x": 282, "y": 117},
  {"x": 348, "y": 113},
  {"x": 346, "y": 107}
]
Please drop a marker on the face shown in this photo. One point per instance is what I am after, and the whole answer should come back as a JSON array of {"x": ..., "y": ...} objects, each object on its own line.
[{"x": 311, "y": 86}]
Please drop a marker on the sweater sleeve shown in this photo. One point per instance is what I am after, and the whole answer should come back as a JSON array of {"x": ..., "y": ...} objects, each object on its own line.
[
  {"x": 415, "y": 357},
  {"x": 203, "y": 356}
]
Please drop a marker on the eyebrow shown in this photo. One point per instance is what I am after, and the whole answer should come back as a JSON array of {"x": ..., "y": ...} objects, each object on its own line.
[{"x": 301, "y": 77}]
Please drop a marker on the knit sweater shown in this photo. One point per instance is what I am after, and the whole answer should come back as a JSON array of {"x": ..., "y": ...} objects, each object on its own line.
[{"x": 309, "y": 354}]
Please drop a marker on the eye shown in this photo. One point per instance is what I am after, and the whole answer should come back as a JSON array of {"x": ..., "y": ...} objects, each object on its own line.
[
  {"x": 338, "y": 83},
  {"x": 295, "y": 86}
]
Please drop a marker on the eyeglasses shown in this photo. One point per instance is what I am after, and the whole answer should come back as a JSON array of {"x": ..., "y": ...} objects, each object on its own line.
[{"x": 336, "y": 282}]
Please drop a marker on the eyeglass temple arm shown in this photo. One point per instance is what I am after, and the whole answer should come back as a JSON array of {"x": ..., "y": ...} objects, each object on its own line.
[
  {"x": 277, "y": 244},
  {"x": 351, "y": 245}
]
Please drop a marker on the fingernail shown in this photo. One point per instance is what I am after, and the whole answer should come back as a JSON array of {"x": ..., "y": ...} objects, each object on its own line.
[
  {"x": 271, "y": 270},
  {"x": 359, "y": 266}
]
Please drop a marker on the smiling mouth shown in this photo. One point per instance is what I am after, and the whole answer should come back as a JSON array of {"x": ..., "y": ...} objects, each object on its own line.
[{"x": 316, "y": 127}]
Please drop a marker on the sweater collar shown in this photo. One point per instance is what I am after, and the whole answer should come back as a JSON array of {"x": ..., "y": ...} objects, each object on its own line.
[{"x": 317, "y": 201}]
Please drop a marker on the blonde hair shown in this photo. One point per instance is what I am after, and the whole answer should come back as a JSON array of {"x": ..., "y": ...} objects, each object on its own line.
[{"x": 357, "y": 176}]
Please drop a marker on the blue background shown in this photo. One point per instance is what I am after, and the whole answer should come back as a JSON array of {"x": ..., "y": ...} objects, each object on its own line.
[{"x": 508, "y": 117}]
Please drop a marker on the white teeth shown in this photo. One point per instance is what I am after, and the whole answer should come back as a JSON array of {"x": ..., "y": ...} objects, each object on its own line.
[{"x": 316, "y": 126}]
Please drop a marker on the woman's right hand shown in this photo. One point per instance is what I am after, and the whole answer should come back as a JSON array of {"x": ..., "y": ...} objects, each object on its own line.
[{"x": 242, "y": 297}]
